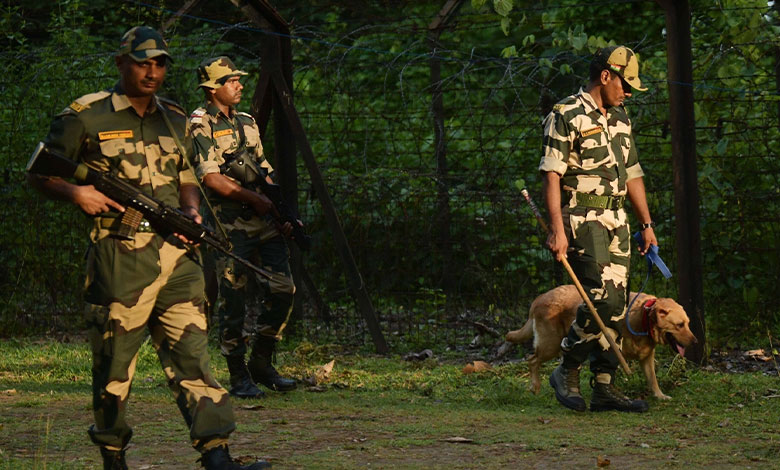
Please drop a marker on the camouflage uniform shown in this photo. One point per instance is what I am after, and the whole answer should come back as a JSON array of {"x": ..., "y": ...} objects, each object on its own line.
[
  {"x": 150, "y": 281},
  {"x": 253, "y": 237},
  {"x": 596, "y": 156}
]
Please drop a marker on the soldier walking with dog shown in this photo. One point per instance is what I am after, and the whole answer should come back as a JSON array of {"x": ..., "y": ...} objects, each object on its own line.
[
  {"x": 143, "y": 279},
  {"x": 229, "y": 159},
  {"x": 589, "y": 166}
]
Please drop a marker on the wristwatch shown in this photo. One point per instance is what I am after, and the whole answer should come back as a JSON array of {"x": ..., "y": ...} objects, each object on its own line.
[{"x": 647, "y": 225}]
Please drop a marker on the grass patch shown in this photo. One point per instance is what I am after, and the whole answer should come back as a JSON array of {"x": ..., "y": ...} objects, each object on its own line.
[{"x": 380, "y": 412}]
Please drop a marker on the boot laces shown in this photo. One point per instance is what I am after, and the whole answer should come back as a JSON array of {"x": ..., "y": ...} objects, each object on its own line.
[
  {"x": 572, "y": 379},
  {"x": 613, "y": 393}
]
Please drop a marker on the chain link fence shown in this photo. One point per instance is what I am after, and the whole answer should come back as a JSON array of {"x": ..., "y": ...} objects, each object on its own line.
[{"x": 441, "y": 236}]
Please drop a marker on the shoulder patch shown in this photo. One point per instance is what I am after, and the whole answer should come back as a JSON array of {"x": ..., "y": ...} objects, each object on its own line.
[
  {"x": 558, "y": 107},
  {"x": 172, "y": 105},
  {"x": 197, "y": 115},
  {"x": 82, "y": 103}
]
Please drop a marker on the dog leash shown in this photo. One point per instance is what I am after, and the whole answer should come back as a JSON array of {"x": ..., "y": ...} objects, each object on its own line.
[{"x": 653, "y": 258}]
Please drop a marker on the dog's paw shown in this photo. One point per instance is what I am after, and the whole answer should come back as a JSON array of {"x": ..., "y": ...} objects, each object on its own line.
[{"x": 662, "y": 396}]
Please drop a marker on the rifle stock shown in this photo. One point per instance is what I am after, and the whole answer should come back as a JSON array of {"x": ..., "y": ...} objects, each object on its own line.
[{"x": 163, "y": 218}]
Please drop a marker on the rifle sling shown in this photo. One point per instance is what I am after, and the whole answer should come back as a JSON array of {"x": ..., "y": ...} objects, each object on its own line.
[{"x": 190, "y": 167}]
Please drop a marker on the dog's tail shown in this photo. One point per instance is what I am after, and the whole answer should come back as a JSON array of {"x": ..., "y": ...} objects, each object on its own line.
[{"x": 523, "y": 334}]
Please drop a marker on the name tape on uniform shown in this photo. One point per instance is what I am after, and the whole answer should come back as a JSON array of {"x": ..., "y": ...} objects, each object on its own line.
[
  {"x": 108, "y": 135},
  {"x": 223, "y": 132},
  {"x": 595, "y": 130}
]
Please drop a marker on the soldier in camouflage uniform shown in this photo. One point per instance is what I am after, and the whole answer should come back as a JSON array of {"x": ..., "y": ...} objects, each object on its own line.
[
  {"x": 590, "y": 165},
  {"x": 150, "y": 281},
  {"x": 247, "y": 216}
]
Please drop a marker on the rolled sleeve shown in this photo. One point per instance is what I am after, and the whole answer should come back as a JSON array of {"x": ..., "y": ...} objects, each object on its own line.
[
  {"x": 555, "y": 146},
  {"x": 634, "y": 171},
  {"x": 205, "y": 155}
]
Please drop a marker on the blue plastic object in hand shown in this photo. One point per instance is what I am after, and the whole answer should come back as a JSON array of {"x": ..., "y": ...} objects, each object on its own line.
[{"x": 653, "y": 257}]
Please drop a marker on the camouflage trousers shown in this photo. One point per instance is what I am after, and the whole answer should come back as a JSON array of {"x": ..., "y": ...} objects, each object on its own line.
[
  {"x": 246, "y": 294},
  {"x": 599, "y": 255},
  {"x": 150, "y": 284}
]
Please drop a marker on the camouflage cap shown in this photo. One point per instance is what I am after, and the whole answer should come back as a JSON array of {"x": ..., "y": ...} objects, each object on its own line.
[
  {"x": 143, "y": 42},
  {"x": 214, "y": 72},
  {"x": 623, "y": 62}
]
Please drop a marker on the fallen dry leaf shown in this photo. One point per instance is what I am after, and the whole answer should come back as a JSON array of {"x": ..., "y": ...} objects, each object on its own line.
[
  {"x": 544, "y": 420},
  {"x": 459, "y": 440},
  {"x": 323, "y": 372},
  {"x": 602, "y": 461},
  {"x": 10, "y": 391},
  {"x": 476, "y": 366},
  {"x": 758, "y": 354}
]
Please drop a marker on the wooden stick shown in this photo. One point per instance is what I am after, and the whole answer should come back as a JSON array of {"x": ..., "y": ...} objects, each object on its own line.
[{"x": 565, "y": 262}]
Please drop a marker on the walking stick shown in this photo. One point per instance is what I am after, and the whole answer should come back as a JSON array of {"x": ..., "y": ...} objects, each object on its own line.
[{"x": 565, "y": 262}]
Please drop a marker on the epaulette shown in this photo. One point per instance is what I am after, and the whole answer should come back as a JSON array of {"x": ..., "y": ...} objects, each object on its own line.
[
  {"x": 172, "y": 105},
  {"x": 197, "y": 116},
  {"x": 84, "y": 102},
  {"x": 564, "y": 103},
  {"x": 246, "y": 115}
]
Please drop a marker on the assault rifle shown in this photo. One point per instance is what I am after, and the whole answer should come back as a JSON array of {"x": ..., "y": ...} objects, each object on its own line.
[
  {"x": 163, "y": 218},
  {"x": 238, "y": 165}
]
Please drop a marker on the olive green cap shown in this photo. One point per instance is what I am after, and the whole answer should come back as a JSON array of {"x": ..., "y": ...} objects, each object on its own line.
[
  {"x": 214, "y": 72},
  {"x": 143, "y": 42},
  {"x": 623, "y": 62}
]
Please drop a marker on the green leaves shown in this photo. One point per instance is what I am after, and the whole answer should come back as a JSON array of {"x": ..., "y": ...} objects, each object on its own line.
[{"x": 503, "y": 7}]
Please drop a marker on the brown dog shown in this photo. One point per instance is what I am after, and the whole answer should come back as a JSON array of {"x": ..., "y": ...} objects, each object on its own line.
[{"x": 553, "y": 312}]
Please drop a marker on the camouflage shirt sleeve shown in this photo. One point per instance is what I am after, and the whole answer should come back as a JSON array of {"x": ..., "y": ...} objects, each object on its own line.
[
  {"x": 556, "y": 144},
  {"x": 205, "y": 156},
  {"x": 633, "y": 169},
  {"x": 187, "y": 174},
  {"x": 253, "y": 140},
  {"x": 66, "y": 134}
]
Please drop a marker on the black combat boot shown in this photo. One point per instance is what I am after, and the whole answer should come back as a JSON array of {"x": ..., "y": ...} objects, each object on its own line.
[
  {"x": 262, "y": 369},
  {"x": 113, "y": 459},
  {"x": 218, "y": 458},
  {"x": 241, "y": 386},
  {"x": 607, "y": 397},
  {"x": 566, "y": 383}
]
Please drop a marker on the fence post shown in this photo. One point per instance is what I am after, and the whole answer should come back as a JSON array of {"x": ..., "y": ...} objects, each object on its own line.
[
  {"x": 443, "y": 217},
  {"x": 686, "y": 189},
  {"x": 277, "y": 81}
]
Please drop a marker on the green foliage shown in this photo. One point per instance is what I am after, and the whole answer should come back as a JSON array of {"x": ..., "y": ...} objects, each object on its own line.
[{"x": 432, "y": 233}]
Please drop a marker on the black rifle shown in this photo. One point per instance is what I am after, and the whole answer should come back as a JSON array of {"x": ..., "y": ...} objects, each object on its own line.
[
  {"x": 238, "y": 165},
  {"x": 161, "y": 217}
]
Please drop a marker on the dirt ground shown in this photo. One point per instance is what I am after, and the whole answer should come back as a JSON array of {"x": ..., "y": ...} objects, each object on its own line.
[{"x": 342, "y": 430}]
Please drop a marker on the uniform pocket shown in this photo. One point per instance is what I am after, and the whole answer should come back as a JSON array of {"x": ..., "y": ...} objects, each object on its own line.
[
  {"x": 168, "y": 145},
  {"x": 113, "y": 147},
  {"x": 591, "y": 238},
  {"x": 593, "y": 150}
]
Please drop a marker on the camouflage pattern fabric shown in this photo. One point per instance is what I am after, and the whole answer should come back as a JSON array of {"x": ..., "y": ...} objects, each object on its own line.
[
  {"x": 594, "y": 154},
  {"x": 147, "y": 282},
  {"x": 254, "y": 238}
]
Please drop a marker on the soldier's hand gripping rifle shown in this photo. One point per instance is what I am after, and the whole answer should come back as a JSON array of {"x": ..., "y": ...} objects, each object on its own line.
[
  {"x": 161, "y": 217},
  {"x": 239, "y": 166}
]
